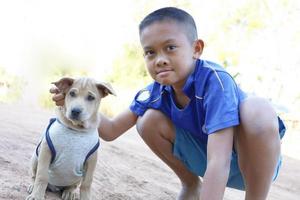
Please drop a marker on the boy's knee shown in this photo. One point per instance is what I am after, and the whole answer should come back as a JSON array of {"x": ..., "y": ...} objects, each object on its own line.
[
  {"x": 258, "y": 117},
  {"x": 146, "y": 121},
  {"x": 152, "y": 122}
]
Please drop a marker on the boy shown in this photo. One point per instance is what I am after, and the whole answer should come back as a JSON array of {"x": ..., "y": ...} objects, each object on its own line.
[{"x": 195, "y": 118}]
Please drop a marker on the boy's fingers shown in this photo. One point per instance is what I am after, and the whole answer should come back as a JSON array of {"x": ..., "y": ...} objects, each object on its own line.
[
  {"x": 59, "y": 103},
  {"x": 54, "y": 90},
  {"x": 58, "y": 97}
]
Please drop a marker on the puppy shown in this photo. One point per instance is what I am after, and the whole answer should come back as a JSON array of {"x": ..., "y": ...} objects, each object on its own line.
[{"x": 66, "y": 157}]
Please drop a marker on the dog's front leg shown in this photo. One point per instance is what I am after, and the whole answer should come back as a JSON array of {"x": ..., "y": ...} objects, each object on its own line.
[
  {"x": 33, "y": 168},
  {"x": 41, "y": 179},
  {"x": 85, "y": 187}
]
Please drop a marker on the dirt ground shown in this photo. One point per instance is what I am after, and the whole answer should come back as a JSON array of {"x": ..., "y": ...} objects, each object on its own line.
[{"x": 126, "y": 168}]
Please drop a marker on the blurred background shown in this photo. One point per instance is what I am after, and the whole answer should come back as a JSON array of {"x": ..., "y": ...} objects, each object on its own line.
[{"x": 258, "y": 41}]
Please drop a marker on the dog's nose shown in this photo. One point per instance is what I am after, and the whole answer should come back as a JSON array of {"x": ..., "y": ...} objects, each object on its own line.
[{"x": 75, "y": 113}]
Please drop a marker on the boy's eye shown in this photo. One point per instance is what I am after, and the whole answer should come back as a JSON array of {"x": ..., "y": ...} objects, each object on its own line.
[
  {"x": 148, "y": 53},
  {"x": 90, "y": 98},
  {"x": 171, "y": 47},
  {"x": 72, "y": 94}
]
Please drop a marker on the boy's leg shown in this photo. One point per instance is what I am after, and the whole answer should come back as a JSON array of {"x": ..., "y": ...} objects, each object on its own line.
[
  {"x": 258, "y": 145},
  {"x": 158, "y": 133}
]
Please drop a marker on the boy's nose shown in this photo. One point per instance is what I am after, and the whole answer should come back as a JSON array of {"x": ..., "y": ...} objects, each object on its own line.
[{"x": 161, "y": 60}]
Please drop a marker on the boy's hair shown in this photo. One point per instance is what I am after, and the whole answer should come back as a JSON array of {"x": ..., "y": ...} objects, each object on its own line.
[{"x": 175, "y": 14}]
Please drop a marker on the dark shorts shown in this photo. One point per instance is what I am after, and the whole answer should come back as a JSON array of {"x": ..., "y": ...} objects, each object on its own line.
[{"x": 192, "y": 152}]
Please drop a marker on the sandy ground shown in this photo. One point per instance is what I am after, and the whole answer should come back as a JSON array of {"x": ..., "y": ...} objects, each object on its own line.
[{"x": 126, "y": 169}]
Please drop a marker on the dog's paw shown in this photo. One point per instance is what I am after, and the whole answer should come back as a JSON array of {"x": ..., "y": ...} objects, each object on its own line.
[
  {"x": 32, "y": 197},
  {"x": 30, "y": 188},
  {"x": 69, "y": 194}
]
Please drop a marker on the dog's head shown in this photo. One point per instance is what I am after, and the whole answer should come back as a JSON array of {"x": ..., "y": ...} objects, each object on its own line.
[{"x": 82, "y": 100}]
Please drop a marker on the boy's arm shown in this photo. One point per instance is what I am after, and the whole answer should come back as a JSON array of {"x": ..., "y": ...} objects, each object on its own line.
[
  {"x": 219, "y": 149},
  {"x": 110, "y": 129}
]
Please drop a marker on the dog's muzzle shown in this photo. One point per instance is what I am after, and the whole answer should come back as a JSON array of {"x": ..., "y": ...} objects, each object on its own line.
[{"x": 75, "y": 113}]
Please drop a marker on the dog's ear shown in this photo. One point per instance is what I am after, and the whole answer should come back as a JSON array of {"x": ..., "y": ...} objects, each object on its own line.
[
  {"x": 105, "y": 89},
  {"x": 64, "y": 84}
]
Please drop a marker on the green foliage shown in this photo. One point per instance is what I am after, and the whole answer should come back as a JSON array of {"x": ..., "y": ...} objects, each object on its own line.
[
  {"x": 129, "y": 69},
  {"x": 249, "y": 17},
  {"x": 11, "y": 86}
]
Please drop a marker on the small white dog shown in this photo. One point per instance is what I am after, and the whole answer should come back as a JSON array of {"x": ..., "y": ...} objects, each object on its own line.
[{"x": 66, "y": 157}]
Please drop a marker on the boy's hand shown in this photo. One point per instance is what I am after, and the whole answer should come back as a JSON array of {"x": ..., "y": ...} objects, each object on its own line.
[{"x": 58, "y": 97}]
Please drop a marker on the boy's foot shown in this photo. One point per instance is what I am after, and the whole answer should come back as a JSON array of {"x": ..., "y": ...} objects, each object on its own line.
[{"x": 190, "y": 192}]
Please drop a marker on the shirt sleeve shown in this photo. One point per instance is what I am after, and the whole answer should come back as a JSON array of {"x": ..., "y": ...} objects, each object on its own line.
[
  {"x": 140, "y": 103},
  {"x": 221, "y": 102}
]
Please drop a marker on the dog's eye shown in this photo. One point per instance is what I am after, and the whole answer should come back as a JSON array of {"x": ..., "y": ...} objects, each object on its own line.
[
  {"x": 90, "y": 98},
  {"x": 72, "y": 94}
]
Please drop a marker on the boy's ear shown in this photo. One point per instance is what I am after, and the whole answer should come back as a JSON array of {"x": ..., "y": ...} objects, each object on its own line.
[
  {"x": 198, "y": 48},
  {"x": 64, "y": 84},
  {"x": 105, "y": 89}
]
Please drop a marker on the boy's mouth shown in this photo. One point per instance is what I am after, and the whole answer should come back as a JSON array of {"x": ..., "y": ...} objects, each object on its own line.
[{"x": 163, "y": 71}]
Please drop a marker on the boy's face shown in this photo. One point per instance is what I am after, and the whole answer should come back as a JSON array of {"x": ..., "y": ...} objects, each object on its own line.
[{"x": 170, "y": 57}]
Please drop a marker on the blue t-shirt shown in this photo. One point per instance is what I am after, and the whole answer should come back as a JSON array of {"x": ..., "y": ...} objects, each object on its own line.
[{"x": 214, "y": 100}]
